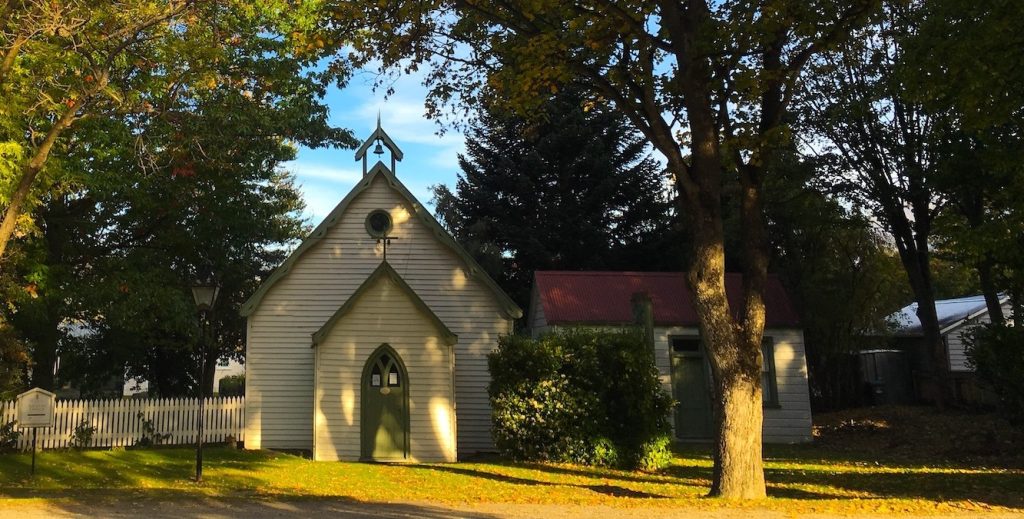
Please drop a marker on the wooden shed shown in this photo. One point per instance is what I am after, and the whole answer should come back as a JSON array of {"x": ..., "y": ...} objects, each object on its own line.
[{"x": 369, "y": 342}]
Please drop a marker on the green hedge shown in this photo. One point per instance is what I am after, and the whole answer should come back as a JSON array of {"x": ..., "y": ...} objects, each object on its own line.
[
  {"x": 580, "y": 396},
  {"x": 996, "y": 352},
  {"x": 232, "y": 385}
]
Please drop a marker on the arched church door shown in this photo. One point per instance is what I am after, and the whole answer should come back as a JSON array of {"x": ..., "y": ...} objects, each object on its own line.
[{"x": 385, "y": 407}]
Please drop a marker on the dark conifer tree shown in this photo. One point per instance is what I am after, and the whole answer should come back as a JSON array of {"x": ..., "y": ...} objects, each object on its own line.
[{"x": 573, "y": 189}]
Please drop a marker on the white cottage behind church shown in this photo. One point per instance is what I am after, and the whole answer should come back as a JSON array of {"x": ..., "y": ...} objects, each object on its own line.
[{"x": 370, "y": 341}]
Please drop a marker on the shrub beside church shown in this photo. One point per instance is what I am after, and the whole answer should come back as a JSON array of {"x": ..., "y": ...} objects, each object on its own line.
[{"x": 580, "y": 396}]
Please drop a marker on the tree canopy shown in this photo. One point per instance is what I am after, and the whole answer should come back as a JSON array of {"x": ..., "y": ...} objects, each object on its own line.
[
  {"x": 172, "y": 171},
  {"x": 709, "y": 84}
]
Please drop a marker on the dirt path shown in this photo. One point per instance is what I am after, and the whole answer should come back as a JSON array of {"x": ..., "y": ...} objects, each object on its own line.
[{"x": 259, "y": 509}]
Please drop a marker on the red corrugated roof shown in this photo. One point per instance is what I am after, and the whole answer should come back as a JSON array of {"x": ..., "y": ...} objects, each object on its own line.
[{"x": 604, "y": 298}]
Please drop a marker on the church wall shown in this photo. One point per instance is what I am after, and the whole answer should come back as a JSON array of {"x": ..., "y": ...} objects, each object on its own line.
[
  {"x": 279, "y": 362},
  {"x": 384, "y": 314}
]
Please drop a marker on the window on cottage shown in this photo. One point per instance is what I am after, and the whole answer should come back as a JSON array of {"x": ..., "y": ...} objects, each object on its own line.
[
  {"x": 769, "y": 385},
  {"x": 394, "y": 379},
  {"x": 686, "y": 345}
]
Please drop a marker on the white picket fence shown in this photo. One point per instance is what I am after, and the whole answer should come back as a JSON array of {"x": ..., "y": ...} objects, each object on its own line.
[{"x": 119, "y": 423}]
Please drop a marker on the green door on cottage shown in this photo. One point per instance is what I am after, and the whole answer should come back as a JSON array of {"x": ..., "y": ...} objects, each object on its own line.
[
  {"x": 690, "y": 388},
  {"x": 385, "y": 429}
]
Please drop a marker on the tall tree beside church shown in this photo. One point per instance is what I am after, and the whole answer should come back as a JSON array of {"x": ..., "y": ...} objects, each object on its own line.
[
  {"x": 62, "y": 63},
  {"x": 709, "y": 84},
  {"x": 575, "y": 190},
  {"x": 140, "y": 204}
]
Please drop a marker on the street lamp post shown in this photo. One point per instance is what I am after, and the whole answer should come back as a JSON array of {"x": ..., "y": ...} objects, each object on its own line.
[{"x": 205, "y": 295}]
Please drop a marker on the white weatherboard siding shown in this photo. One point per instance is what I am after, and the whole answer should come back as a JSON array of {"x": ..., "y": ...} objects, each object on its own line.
[
  {"x": 279, "y": 385},
  {"x": 384, "y": 314},
  {"x": 790, "y": 422},
  {"x": 957, "y": 348},
  {"x": 536, "y": 322},
  {"x": 956, "y": 345}
]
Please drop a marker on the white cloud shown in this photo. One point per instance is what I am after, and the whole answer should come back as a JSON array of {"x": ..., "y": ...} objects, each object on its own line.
[{"x": 311, "y": 170}]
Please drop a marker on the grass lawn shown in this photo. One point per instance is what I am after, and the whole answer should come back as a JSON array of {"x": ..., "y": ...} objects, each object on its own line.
[
  {"x": 800, "y": 479},
  {"x": 874, "y": 461}
]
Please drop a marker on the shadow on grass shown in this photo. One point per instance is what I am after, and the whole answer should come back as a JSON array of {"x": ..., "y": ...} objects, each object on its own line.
[
  {"x": 159, "y": 508},
  {"x": 699, "y": 480},
  {"x": 143, "y": 472},
  {"x": 606, "y": 489},
  {"x": 820, "y": 479},
  {"x": 821, "y": 474}
]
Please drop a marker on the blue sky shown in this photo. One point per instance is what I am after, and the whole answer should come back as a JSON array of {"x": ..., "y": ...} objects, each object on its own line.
[{"x": 326, "y": 175}]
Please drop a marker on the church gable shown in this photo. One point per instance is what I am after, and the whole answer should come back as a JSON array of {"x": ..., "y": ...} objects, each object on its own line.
[
  {"x": 384, "y": 314},
  {"x": 344, "y": 235},
  {"x": 389, "y": 295}
]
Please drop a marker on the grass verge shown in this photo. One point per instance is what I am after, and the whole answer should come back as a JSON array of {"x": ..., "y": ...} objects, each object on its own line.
[{"x": 801, "y": 479}]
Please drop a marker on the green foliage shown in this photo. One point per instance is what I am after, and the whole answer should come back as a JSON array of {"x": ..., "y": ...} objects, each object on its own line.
[
  {"x": 996, "y": 352},
  {"x": 843, "y": 291},
  {"x": 523, "y": 179},
  {"x": 9, "y": 436},
  {"x": 81, "y": 437},
  {"x": 144, "y": 62},
  {"x": 149, "y": 435},
  {"x": 579, "y": 396},
  {"x": 13, "y": 362},
  {"x": 186, "y": 181},
  {"x": 233, "y": 385}
]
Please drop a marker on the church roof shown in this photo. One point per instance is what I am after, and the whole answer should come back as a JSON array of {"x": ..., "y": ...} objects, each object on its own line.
[
  {"x": 382, "y": 271},
  {"x": 597, "y": 298},
  {"x": 473, "y": 269}
]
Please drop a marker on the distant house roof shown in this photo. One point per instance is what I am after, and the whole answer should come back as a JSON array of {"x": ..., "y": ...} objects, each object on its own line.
[
  {"x": 604, "y": 298},
  {"x": 951, "y": 313}
]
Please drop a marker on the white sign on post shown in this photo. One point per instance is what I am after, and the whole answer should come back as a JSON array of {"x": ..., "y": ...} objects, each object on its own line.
[{"x": 35, "y": 408}]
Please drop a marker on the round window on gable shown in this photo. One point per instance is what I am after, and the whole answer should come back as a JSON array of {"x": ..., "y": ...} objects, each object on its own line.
[{"x": 378, "y": 223}]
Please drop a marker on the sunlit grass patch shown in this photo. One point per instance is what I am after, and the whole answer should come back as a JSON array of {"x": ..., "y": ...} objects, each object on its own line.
[{"x": 800, "y": 479}]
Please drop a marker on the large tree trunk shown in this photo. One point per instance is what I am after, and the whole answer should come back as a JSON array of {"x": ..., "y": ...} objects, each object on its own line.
[
  {"x": 935, "y": 379},
  {"x": 989, "y": 289},
  {"x": 739, "y": 472},
  {"x": 735, "y": 367}
]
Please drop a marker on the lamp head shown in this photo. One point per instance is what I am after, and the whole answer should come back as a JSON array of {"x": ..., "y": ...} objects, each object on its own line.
[{"x": 205, "y": 295}]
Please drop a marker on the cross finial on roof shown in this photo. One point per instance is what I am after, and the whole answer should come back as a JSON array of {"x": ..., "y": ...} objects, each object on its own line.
[{"x": 380, "y": 137}]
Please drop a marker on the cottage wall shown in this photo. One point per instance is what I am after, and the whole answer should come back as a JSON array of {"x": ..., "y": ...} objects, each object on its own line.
[
  {"x": 536, "y": 322},
  {"x": 279, "y": 385},
  {"x": 956, "y": 345},
  {"x": 790, "y": 422}
]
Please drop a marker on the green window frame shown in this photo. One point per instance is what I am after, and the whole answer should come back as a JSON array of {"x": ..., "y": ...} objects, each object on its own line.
[{"x": 769, "y": 385}]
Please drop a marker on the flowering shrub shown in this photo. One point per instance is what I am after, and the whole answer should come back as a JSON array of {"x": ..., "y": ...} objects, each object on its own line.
[{"x": 580, "y": 396}]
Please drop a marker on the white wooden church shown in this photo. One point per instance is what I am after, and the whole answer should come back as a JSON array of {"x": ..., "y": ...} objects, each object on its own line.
[{"x": 370, "y": 341}]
